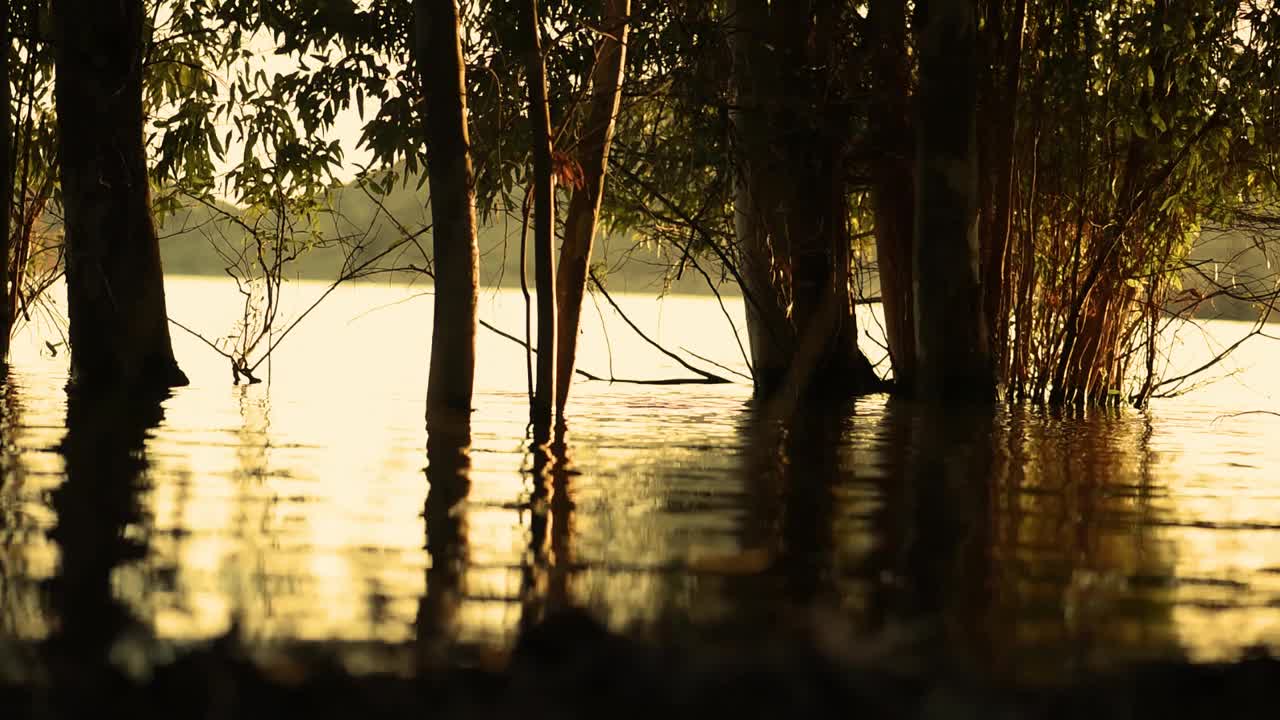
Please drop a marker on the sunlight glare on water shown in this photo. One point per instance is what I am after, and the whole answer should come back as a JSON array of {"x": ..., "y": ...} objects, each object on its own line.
[{"x": 300, "y": 510}]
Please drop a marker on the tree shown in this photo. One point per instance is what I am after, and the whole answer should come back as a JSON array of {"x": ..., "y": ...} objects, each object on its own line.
[
  {"x": 438, "y": 47},
  {"x": 893, "y": 182},
  {"x": 584, "y": 205},
  {"x": 952, "y": 354},
  {"x": 544, "y": 218},
  {"x": 790, "y": 140},
  {"x": 6, "y": 176},
  {"x": 119, "y": 329}
]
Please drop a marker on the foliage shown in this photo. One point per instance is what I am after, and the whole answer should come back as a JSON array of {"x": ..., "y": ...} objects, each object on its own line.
[{"x": 1138, "y": 124}]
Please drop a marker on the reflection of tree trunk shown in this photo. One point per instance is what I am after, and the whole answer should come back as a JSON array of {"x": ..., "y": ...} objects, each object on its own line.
[
  {"x": 559, "y": 592},
  {"x": 6, "y": 178},
  {"x": 790, "y": 469},
  {"x": 584, "y": 206},
  {"x": 951, "y": 338},
  {"x": 119, "y": 330},
  {"x": 544, "y": 219},
  {"x": 789, "y": 206},
  {"x": 894, "y": 205},
  {"x": 812, "y": 466},
  {"x": 947, "y": 566},
  {"x": 103, "y": 449},
  {"x": 438, "y": 47},
  {"x": 448, "y": 474},
  {"x": 537, "y": 570}
]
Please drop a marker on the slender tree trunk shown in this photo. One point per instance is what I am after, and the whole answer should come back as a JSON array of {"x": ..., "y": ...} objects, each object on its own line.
[
  {"x": 119, "y": 329},
  {"x": 951, "y": 336},
  {"x": 438, "y": 46},
  {"x": 544, "y": 221},
  {"x": 893, "y": 184},
  {"x": 584, "y": 206},
  {"x": 1001, "y": 154},
  {"x": 6, "y": 178}
]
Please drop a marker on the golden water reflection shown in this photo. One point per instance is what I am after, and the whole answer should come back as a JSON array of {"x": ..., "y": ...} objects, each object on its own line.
[{"x": 1028, "y": 542}]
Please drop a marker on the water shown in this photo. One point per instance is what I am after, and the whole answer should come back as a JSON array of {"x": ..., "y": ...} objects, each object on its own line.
[{"x": 1030, "y": 544}]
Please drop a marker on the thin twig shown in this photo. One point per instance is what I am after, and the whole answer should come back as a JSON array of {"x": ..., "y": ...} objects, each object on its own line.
[{"x": 726, "y": 368}]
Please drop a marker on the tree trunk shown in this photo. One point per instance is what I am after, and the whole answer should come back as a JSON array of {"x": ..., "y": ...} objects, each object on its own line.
[
  {"x": 544, "y": 219},
  {"x": 892, "y": 182},
  {"x": 954, "y": 361},
  {"x": 6, "y": 178},
  {"x": 584, "y": 206},
  {"x": 119, "y": 329},
  {"x": 790, "y": 201},
  {"x": 756, "y": 196},
  {"x": 438, "y": 45},
  {"x": 1002, "y": 137}
]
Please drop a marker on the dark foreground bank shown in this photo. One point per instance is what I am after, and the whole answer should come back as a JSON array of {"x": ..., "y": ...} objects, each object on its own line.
[{"x": 569, "y": 666}]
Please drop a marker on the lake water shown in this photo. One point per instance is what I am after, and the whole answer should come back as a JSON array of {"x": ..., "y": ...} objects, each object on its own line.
[{"x": 1029, "y": 543}]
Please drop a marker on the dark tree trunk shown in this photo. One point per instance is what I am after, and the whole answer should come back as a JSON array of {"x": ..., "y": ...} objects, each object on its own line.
[
  {"x": 893, "y": 184},
  {"x": 6, "y": 178},
  {"x": 790, "y": 201},
  {"x": 438, "y": 46},
  {"x": 119, "y": 329},
  {"x": 544, "y": 219},
  {"x": 584, "y": 206},
  {"x": 953, "y": 356}
]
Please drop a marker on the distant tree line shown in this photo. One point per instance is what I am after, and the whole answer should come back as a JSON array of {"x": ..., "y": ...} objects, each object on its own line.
[{"x": 1025, "y": 177}]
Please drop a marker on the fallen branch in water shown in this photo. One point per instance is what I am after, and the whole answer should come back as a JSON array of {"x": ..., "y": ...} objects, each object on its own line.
[
  {"x": 611, "y": 378},
  {"x": 708, "y": 377}
]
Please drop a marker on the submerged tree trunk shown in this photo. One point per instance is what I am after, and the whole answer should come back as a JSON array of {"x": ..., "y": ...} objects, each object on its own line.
[
  {"x": 951, "y": 336},
  {"x": 893, "y": 184},
  {"x": 6, "y": 178},
  {"x": 584, "y": 206},
  {"x": 119, "y": 330},
  {"x": 438, "y": 46},
  {"x": 790, "y": 200},
  {"x": 544, "y": 219}
]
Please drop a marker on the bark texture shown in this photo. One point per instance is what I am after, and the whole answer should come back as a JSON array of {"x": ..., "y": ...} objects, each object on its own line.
[
  {"x": 544, "y": 220},
  {"x": 438, "y": 47},
  {"x": 119, "y": 329},
  {"x": 584, "y": 205},
  {"x": 952, "y": 350}
]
